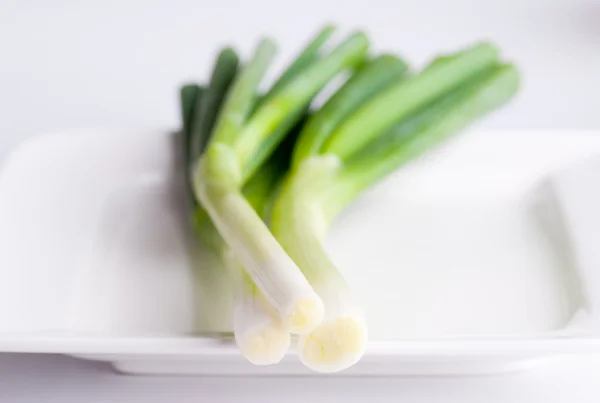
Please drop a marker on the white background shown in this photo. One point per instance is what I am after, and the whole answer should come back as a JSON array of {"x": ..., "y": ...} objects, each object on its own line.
[{"x": 68, "y": 64}]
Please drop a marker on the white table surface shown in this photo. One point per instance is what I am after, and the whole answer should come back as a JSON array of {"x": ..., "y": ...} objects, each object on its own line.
[{"x": 116, "y": 64}]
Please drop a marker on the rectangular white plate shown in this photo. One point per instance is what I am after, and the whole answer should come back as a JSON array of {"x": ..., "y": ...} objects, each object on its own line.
[{"x": 466, "y": 260}]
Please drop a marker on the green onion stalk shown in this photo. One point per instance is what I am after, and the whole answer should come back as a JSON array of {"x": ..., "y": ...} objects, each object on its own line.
[
  {"x": 261, "y": 335},
  {"x": 379, "y": 120},
  {"x": 246, "y": 131}
]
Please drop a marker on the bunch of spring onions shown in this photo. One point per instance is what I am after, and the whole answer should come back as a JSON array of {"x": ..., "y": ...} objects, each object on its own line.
[{"x": 268, "y": 173}]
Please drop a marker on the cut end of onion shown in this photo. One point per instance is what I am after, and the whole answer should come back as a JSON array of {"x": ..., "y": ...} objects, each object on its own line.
[
  {"x": 334, "y": 345},
  {"x": 265, "y": 345},
  {"x": 306, "y": 316}
]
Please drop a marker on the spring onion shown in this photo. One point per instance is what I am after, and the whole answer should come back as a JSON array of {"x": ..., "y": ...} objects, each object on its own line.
[
  {"x": 267, "y": 181},
  {"x": 386, "y": 130},
  {"x": 262, "y": 337}
]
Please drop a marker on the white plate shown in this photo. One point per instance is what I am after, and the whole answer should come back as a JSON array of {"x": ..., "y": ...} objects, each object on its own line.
[{"x": 462, "y": 259}]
